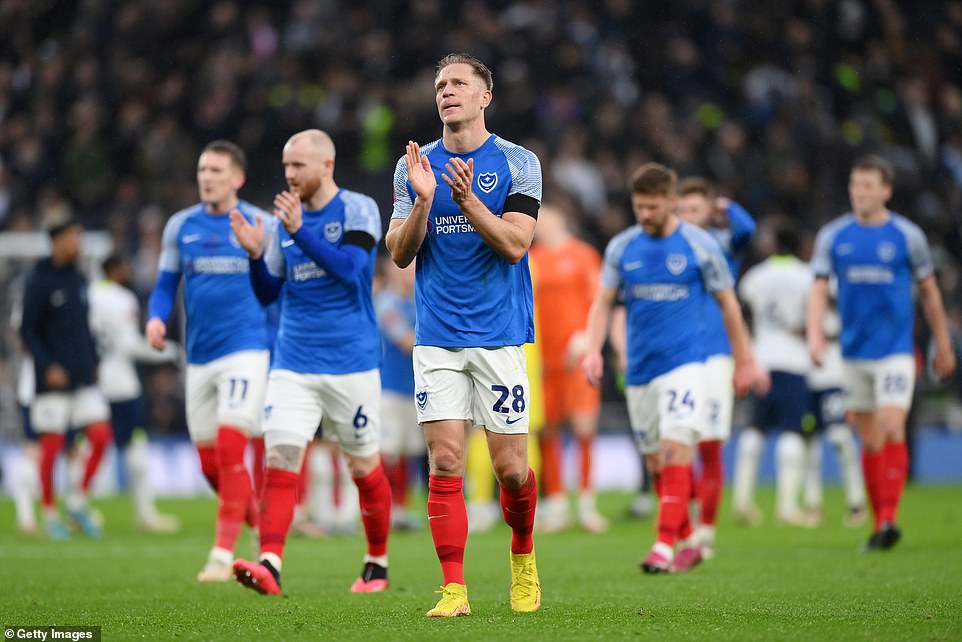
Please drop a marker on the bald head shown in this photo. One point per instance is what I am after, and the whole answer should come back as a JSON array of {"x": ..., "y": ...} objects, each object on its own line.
[
  {"x": 309, "y": 166},
  {"x": 313, "y": 141}
]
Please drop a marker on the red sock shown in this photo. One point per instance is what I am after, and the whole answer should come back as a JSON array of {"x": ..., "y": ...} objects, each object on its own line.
[
  {"x": 712, "y": 480},
  {"x": 277, "y": 509},
  {"x": 235, "y": 490},
  {"x": 99, "y": 435},
  {"x": 448, "y": 519},
  {"x": 551, "y": 484},
  {"x": 50, "y": 446},
  {"x": 685, "y": 529},
  {"x": 518, "y": 509},
  {"x": 673, "y": 504},
  {"x": 258, "y": 464},
  {"x": 584, "y": 450},
  {"x": 374, "y": 493},
  {"x": 872, "y": 466},
  {"x": 208, "y": 464},
  {"x": 896, "y": 458},
  {"x": 397, "y": 474}
]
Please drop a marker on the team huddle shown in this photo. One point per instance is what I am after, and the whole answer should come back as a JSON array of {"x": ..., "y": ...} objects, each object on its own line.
[{"x": 466, "y": 208}]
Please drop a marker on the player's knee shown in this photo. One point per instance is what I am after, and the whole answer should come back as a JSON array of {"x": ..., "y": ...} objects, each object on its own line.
[
  {"x": 446, "y": 462},
  {"x": 512, "y": 476},
  {"x": 446, "y": 455},
  {"x": 789, "y": 447},
  {"x": 675, "y": 454},
  {"x": 135, "y": 456},
  {"x": 362, "y": 466},
  {"x": 872, "y": 435},
  {"x": 750, "y": 442},
  {"x": 839, "y": 435},
  {"x": 99, "y": 435},
  {"x": 584, "y": 425},
  {"x": 284, "y": 457},
  {"x": 891, "y": 424},
  {"x": 653, "y": 464}
]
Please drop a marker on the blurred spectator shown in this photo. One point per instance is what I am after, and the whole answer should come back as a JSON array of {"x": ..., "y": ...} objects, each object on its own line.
[{"x": 106, "y": 105}]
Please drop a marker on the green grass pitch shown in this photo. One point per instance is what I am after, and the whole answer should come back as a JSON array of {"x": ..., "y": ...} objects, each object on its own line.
[{"x": 766, "y": 583}]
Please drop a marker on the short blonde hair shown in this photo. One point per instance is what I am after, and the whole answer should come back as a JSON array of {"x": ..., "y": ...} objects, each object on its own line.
[{"x": 480, "y": 69}]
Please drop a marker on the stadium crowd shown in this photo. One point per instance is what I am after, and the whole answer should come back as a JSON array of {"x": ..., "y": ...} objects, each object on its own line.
[{"x": 104, "y": 106}]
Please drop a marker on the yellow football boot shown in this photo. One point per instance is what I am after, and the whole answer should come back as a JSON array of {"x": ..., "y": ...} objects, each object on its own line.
[
  {"x": 453, "y": 602},
  {"x": 525, "y": 589}
]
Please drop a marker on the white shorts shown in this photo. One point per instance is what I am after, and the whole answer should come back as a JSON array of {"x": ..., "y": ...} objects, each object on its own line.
[
  {"x": 487, "y": 386},
  {"x": 400, "y": 434},
  {"x": 347, "y": 404},
  {"x": 54, "y": 412},
  {"x": 720, "y": 398},
  {"x": 228, "y": 391},
  {"x": 669, "y": 407},
  {"x": 874, "y": 384}
]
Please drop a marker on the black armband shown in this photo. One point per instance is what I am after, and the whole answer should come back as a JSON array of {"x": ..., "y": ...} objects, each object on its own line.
[
  {"x": 522, "y": 203},
  {"x": 361, "y": 239}
]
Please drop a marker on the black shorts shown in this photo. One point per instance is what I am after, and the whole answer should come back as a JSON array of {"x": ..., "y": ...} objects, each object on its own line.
[
  {"x": 125, "y": 418},
  {"x": 828, "y": 408},
  {"x": 785, "y": 405}
]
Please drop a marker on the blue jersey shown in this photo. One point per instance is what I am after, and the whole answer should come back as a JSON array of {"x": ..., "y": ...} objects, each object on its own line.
[
  {"x": 732, "y": 239},
  {"x": 396, "y": 316},
  {"x": 273, "y": 324},
  {"x": 666, "y": 284},
  {"x": 468, "y": 295},
  {"x": 223, "y": 315},
  {"x": 327, "y": 326},
  {"x": 875, "y": 266},
  {"x": 735, "y": 236}
]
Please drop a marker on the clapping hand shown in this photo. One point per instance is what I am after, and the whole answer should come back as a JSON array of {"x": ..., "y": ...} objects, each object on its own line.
[
  {"x": 287, "y": 208},
  {"x": 250, "y": 237},
  {"x": 420, "y": 174},
  {"x": 460, "y": 179}
]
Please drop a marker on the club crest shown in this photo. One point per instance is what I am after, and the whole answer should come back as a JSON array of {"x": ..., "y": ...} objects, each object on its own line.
[
  {"x": 332, "y": 231},
  {"x": 676, "y": 263},
  {"x": 422, "y": 399},
  {"x": 487, "y": 181},
  {"x": 886, "y": 251}
]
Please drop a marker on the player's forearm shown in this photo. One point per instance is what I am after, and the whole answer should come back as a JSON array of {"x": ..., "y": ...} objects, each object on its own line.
[
  {"x": 343, "y": 263},
  {"x": 817, "y": 302},
  {"x": 135, "y": 347},
  {"x": 266, "y": 286},
  {"x": 737, "y": 331},
  {"x": 617, "y": 332},
  {"x": 504, "y": 237},
  {"x": 934, "y": 311},
  {"x": 599, "y": 320},
  {"x": 161, "y": 302},
  {"x": 404, "y": 239}
]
